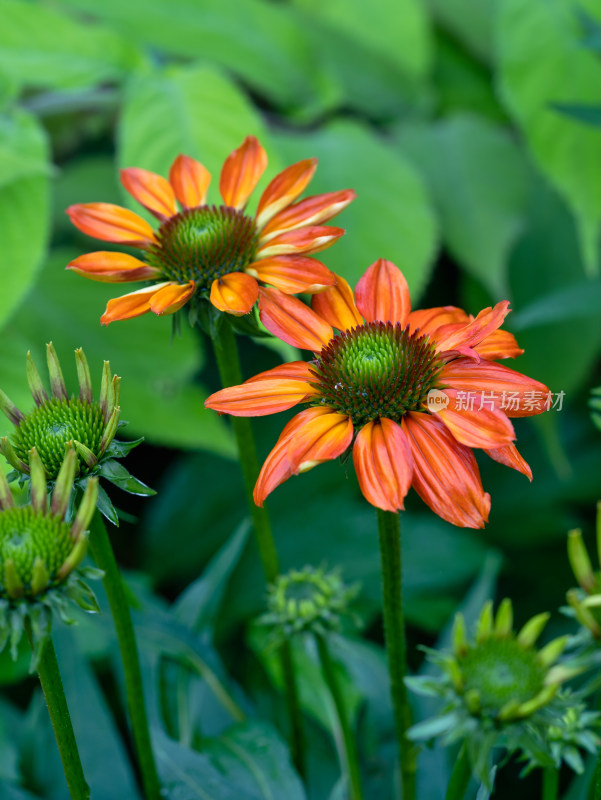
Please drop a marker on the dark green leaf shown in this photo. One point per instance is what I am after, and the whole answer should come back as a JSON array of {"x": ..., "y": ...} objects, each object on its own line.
[
  {"x": 116, "y": 473},
  {"x": 106, "y": 507},
  {"x": 119, "y": 449},
  {"x": 591, "y": 115},
  {"x": 572, "y": 302}
]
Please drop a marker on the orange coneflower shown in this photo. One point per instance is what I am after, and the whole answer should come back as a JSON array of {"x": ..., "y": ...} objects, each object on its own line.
[
  {"x": 217, "y": 252},
  {"x": 370, "y": 384}
]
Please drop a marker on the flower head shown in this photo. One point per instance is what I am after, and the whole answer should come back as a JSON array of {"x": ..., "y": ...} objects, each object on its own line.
[
  {"x": 217, "y": 252},
  {"x": 60, "y": 420},
  {"x": 40, "y": 551},
  {"x": 411, "y": 392}
]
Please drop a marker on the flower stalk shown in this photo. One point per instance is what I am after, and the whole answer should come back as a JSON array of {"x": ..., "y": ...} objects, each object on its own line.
[{"x": 460, "y": 777}]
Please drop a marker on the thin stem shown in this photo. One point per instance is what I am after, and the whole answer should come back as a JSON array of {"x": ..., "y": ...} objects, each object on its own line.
[
  {"x": 460, "y": 777},
  {"x": 550, "y": 783},
  {"x": 389, "y": 529},
  {"x": 595, "y": 789},
  {"x": 52, "y": 686},
  {"x": 102, "y": 552},
  {"x": 348, "y": 740},
  {"x": 230, "y": 372}
]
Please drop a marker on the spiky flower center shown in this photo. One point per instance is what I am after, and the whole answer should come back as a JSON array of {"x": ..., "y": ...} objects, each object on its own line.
[
  {"x": 502, "y": 671},
  {"x": 376, "y": 370},
  {"x": 204, "y": 243},
  {"x": 308, "y": 599},
  {"x": 50, "y": 426},
  {"x": 30, "y": 539}
]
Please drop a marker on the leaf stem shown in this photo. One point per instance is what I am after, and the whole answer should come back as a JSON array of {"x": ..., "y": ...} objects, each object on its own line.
[
  {"x": 460, "y": 777},
  {"x": 550, "y": 783}
]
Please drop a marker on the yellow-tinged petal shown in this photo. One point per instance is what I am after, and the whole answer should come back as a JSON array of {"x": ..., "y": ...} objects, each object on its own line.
[
  {"x": 111, "y": 267},
  {"x": 260, "y": 397},
  {"x": 171, "y": 298},
  {"x": 235, "y": 293},
  {"x": 311, "y": 211},
  {"x": 284, "y": 189},
  {"x": 310, "y": 239},
  {"x": 190, "y": 181},
  {"x": 130, "y": 305},
  {"x": 111, "y": 223},
  {"x": 293, "y": 274},
  {"x": 241, "y": 172},
  {"x": 337, "y": 306},
  {"x": 150, "y": 190}
]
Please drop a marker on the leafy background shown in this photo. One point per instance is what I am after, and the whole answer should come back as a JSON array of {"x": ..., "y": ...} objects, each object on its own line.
[{"x": 470, "y": 132}]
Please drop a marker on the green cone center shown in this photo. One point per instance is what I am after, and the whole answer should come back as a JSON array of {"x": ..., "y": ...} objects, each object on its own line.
[
  {"x": 501, "y": 671},
  {"x": 376, "y": 370},
  {"x": 204, "y": 243},
  {"x": 27, "y": 536},
  {"x": 50, "y": 426}
]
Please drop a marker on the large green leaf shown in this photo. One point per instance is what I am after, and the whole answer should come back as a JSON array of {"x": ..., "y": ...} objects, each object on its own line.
[
  {"x": 541, "y": 63},
  {"x": 478, "y": 179},
  {"x": 24, "y": 206},
  {"x": 391, "y": 217},
  {"x": 41, "y": 47},
  {"x": 471, "y": 23}
]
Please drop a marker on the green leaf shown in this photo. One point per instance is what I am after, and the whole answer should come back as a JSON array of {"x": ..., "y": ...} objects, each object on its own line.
[
  {"x": 541, "y": 63},
  {"x": 116, "y": 473},
  {"x": 24, "y": 206},
  {"x": 42, "y": 47},
  {"x": 572, "y": 302},
  {"x": 119, "y": 449},
  {"x": 106, "y": 507},
  {"x": 391, "y": 217},
  {"x": 478, "y": 179},
  {"x": 471, "y": 23},
  {"x": 590, "y": 115}
]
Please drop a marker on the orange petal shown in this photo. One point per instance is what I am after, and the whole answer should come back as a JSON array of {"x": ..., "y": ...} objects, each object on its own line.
[
  {"x": 292, "y": 321},
  {"x": 310, "y": 239},
  {"x": 312, "y": 211},
  {"x": 261, "y": 397},
  {"x": 130, "y": 305},
  {"x": 509, "y": 456},
  {"x": 277, "y": 467},
  {"x": 171, "y": 298},
  {"x": 293, "y": 274},
  {"x": 337, "y": 306},
  {"x": 111, "y": 223},
  {"x": 475, "y": 331},
  {"x": 382, "y": 294},
  {"x": 235, "y": 293},
  {"x": 429, "y": 319},
  {"x": 383, "y": 463},
  {"x": 241, "y": 172},
  {"x": 110, "y": 267},
  {"x": 445, "y": 473},
  {"x": 492, "y": 385},
  {"x": 477, "y": 427},
  {"x": 190, "y": 181},
  {"x": 299, "y": 370},
  {"x": 499, "y": 344},
  {"x": 150, "y": 190},
  {"x": 284, "y": 189}
]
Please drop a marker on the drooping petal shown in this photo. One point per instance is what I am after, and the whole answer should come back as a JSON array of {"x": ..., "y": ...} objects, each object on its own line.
[
  {"x": 475, "y": 331},
  {"x": 284, "y": 189},
  {"x": 383, "y": 463},
  {"x": 445, "y": 473},
  {"x": 293, "y": 274},
  {"x": 382, "y": 294},
  {"x": 510, "y": 457},
  {"x": 111, "y": 223},
  {"x": 310, "y": 239},
  {"x": 428, "y": 320},
  {"x": 171, "y": 298},
  {"x": 190, "y": 181},
  {"x": 235, "y": 293},
  {"x": 476, "y": 427},
  {"x": 499, "y": 344},
  {"x": 111, "y": 267},
  {"x": 311, "y": 211},
  {"x": 130, "y": 305},
  {"x": 150, "y": 190},
  {"x": 299, "y": 370},
  {"x": 241, "y": 172},
  {"x": 337, "y": 306},
  {"x": 292, "y": 321},
  {"x": 490, "y": 385},
  {"x": 261, "y": 397}
]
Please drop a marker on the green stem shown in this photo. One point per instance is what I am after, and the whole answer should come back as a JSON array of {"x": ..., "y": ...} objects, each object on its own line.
[
  {"x": 550, "y": 783},
  {"x": 595, "y": 790},
  {"x": 52, "y": 686},
  {"x": 102, "y": 552},
  {"x": 350, "y": 750},
  {"x": 389, "y": 529},
  {"x": 230, "y": 372},
  {"x": 460, "y": 777}
]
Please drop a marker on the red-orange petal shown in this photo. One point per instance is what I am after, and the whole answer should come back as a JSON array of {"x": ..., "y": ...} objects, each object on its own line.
[
  {"x": 495, "y": 386},
  {"x": 171, "y": 298},
  {"x": 235, "y": 293},
  {"x": 337, "y": 306},
  {"x": 111, "y": 223},
  {"x": 428, "y": 320},
  {"x": 190, "y": 181},
  {"x": 325, "y": 437},
  {"x": 298, "y": 370},
  {"x": 241, "y": 172},
  {"x": 445, "y": 473},
  {"x": 383, "y": 463},
  {"x": 311, "y": 211},
  {"x": 130, "y": 305},
  {"x": 150, "y": 190},
  {"x": 499, "y": 344},
  {"x": 487, "y": 321},
  {"x": 292, "y": 321},
  {"x": 259, "y": 398},
  {"x": 111, "y": 267},
  {"x": 310, "y": 239},
  {"x": 284, "y": 189},
  {"x": 509, "y": 456},
  {"x": 293, "y": 274},
  {"x": 478, "y": 427},
  {"x": 382, "y": 294}
]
